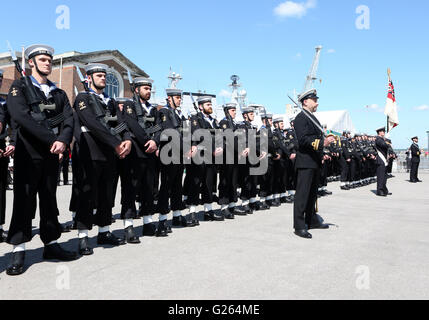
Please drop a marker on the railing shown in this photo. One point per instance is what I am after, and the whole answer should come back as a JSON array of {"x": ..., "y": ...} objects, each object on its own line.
[{"x": 403, "y": 163}]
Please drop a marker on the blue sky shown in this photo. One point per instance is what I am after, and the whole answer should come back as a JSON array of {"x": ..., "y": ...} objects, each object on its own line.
[{"x": 208, "y": 41}]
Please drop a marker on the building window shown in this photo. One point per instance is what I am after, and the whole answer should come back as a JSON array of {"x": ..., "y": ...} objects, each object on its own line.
[{"x": 112, "y": 86}]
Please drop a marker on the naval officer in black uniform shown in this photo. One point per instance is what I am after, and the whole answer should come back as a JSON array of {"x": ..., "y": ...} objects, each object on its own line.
[
  {"x": 308, "y": 164},
  {"x": 42, "y": 115},
  {"x": 415, "y": 160},
  {"x": 382, "y": 147}
]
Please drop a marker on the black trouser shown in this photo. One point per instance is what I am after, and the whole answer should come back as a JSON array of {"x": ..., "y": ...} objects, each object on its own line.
[
  {"x": 137, "y": 178},
  {"x": 171, "y": 188},
  {"x": 266, "y": 181},
  {"x": 228, "y": 184},
  {"x": 4, "y": 168},
  {"x": 279, "y": 176},
  {"x": 291, "y": 175},
  {"x": 305, "y": 198},
  {"x": 145, "y": 179},
  {"x": 414, "y": 171},
  {"x": 382, "y": 177},
  {"x": 345, "y": 169},
  {"x": 94, "y": 188},
  {"x": 201, "y": 179},
  {"x": 32, "y": 178},
  {"x": 127, "y": 172},
  {"x": 64, "y": 168},
  {"x": 248, "y": 184},
  {"x": 324, "y": 174},
  {"x": 355, "y": 170}
]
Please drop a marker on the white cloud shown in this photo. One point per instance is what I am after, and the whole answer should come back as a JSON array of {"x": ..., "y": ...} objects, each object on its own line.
[
  {"x": 224, "y": 94},
  {"x": 375, "y": 108},
  {"x": 298, "y": 55},
  {"x": 290, "y": 9},
  {"x": 422, "y": 108},
  {"x": 331, "y": 51}
]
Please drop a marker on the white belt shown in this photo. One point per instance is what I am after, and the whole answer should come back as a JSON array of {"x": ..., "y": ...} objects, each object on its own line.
[{"x": 382, "y": 157}]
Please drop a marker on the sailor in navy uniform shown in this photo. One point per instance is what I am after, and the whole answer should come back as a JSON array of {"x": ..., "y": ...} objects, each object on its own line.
[
  {"x": 382, "y": 147},
  {"x": 308, "y": 164},
  {"x": 44, "y": 128},
  {"x": 266, "y": 181},
  {"x": 415, "y": 160},
  {"x": 5, "y": 153},
  {"x": 202, "y": 176},
  {"x": 248, "y": 182},
  {"x": 292, "y": 145},
  {"x": 280, "y": 167},
  {"x": 345, "y": 160},
  {"x": 98, "y": 145},
  {"x": 228, "y": 177},
  {"x": 139, "y": 168},
  {"x": 171, "y": 189}
]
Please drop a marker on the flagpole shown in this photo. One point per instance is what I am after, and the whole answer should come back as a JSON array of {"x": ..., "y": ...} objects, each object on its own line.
[{"x": 390, "y": 79}]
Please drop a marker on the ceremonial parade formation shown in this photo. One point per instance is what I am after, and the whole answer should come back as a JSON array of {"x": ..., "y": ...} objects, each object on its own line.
[{"x": 166, "y": 161}]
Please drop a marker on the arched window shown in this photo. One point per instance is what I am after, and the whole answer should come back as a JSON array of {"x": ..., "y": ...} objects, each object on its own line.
[{"x": 112, "y": 86}]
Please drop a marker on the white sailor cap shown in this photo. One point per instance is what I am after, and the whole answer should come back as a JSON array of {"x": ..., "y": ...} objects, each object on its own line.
[
  {"x": 1, "y": 73},
  {"x": 309, "y": 94},
  {"x": 38, "y": 49},
  {"x": 122, "y": 100},
  {"x": 278, "y": 120},
  {"x": 204, "y": 99},
  {"x": 381, "y": 129},
  {"x": 267, "y": 116},
  {"x": 173, "y": 92},
  {"x": 248, "y": 109},
  {"x": 229, "y": 106},
  {"x": 95, "y": 67},
  {"x": 142, "y": 81}
]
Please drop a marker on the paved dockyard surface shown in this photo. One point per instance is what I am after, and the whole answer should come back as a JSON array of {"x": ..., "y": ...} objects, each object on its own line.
[{"x": 377, "y": 248}]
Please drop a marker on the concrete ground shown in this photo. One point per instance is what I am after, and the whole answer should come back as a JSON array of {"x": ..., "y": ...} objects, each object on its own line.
[{"x": 379, "y": 249}]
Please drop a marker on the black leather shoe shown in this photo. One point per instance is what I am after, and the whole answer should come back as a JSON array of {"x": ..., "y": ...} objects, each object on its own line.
[
  {"x": 264, "y": 206},
  {"x": 149, "y": 230},
  {"x": 248, "y": 209},
  {"x": 381, "y": 194},
  {"x": 256, "y": 206},
  {"x": 228, "y": 214},
  {"x": 389, "y": 193},
  {"x": 2, "y": 236},
  {"x": 109, "y": 238},
  {"x": 162, "y": 229},
  {"x": 84, "y": 248},
  {"x": 66, "y": 228},
  {"x": 273, "y": 203},
  {"x": 210, "y": 216},
  {"x": 238, "y": 211},
  {"x": 16, "y": 266},
  {"x": 74, "y": 225},
  {"x": 55, "y": 252},
  {"x": 345, "y": 188},
  {"x": 194, "y": 222},
  {"x": 181, "y": 222},
  {"x": 320, "y": 226},
  {"x": 130, "y": 236},
  {"x": 303, "y": 234},
  {"x": 419, "y": 180},
  {"x": 327, "y": 193}
]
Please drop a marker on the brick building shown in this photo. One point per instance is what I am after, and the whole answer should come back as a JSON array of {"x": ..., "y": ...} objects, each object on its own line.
[{"x": 66, "y": 77}]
